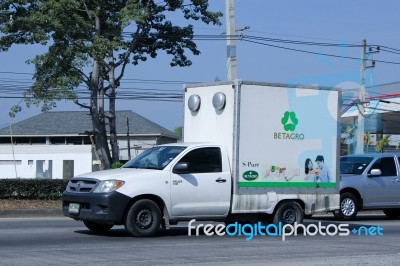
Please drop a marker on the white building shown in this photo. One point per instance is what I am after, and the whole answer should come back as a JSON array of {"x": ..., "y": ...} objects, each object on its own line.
[{"x": 58, "y": 144}]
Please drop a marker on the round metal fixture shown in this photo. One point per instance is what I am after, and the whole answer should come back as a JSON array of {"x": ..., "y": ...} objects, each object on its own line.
[
  {"x": 194, "y": 103},
  {"x": 219, "y": 101}
]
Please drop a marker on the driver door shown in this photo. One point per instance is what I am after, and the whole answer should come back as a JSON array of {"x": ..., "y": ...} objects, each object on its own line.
[{"x": 205, "y": 188}]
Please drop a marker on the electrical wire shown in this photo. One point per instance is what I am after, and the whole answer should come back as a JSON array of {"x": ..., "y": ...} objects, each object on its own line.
[{"x": 318, "y": 53}]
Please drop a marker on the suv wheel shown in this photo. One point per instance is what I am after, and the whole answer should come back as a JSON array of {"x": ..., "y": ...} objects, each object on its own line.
[{"x": 348, "y": 207}]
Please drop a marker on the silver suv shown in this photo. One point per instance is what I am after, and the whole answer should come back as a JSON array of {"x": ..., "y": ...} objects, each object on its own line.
[{"x": 369, "y": 182}]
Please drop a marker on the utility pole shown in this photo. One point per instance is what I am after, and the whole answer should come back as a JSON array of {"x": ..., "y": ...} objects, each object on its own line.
[
  {"x": 361, "y": 110},
  {"x": 231, "y": 42},
  {"x": 362, "y": 96}
]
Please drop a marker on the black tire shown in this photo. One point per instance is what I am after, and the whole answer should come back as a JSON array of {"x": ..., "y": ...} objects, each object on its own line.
[
  {"x": 348, "y": 207},
  {"x": 289, "y": 212},
  {"x": 392, "y": 213},
  {"x": 97, "y": 227},
  {"x": 143, "y": 218}
]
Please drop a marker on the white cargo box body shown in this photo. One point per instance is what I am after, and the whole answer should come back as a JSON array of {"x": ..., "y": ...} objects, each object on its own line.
[{"x": 270, "y": 131}]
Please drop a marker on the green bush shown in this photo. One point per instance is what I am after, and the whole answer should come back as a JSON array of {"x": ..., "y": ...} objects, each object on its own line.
[
  {"x": 29, "y": 189},
  {"x": 116, "y": 165}
]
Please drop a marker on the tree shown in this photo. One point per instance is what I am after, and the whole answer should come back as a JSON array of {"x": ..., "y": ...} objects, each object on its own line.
[
  {"x": 367, "y": 140},
  {"x": 179, "y": 131},
  {"x": 382, "y": 143},
  {"x": 90, "y": 43},
  {"x": 347, "y": 138}
]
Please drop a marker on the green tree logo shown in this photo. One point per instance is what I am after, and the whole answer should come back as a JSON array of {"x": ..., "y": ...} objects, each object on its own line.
[{"x": 289, "y": 121}]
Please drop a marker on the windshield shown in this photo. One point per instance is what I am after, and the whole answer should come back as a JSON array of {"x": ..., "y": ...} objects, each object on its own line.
[
  {"x": 155, "y": 158},
  {"x": 354, "y": 165}
]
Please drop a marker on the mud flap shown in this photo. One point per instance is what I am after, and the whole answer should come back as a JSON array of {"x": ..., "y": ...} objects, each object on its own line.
[{"x": 165, "y": 224}]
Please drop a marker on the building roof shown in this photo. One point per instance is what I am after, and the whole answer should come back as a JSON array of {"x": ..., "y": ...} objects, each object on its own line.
[{"x": 75, "y": 123}]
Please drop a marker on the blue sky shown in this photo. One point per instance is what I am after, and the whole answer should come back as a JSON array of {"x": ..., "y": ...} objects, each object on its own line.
[{"x": 336, "y": 22}]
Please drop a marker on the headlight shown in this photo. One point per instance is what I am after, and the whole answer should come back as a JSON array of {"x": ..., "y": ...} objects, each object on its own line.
[{"x": 108, "y": 186}]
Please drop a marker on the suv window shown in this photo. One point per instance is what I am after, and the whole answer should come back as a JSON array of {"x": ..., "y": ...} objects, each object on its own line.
[
  {"x": 204, "y": 160},
  {"x": 354, "y": 165},
  {"x": 386, "y": 165}
]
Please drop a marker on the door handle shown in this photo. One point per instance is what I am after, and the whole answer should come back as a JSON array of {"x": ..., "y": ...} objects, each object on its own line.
[
  {"x": 396, "y": 180},
  {"x": 220, "y": 180}
]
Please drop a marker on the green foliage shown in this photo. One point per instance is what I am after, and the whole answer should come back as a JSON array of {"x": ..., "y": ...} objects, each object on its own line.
[
  {"x": 382, "y": 143},
  {"x": 367, "y": 141},
  {"x": 179, "y": 131},
  {"x": 43, "y": 189},
  {"x": 116, "y": 165}
]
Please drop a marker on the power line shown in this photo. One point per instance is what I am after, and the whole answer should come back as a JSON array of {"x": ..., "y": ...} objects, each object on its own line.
[
  {"x": 324, "y": 44},
  {"x": 394, "y": 49},
  {"x": 389, "y": 51},
  {"x": 318, "y": 53}
]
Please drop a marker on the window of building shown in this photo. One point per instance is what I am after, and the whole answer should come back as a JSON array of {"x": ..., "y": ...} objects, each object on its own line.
[
  {"x": 44, "y": 169},
  {"x": 68, "y": 169}
]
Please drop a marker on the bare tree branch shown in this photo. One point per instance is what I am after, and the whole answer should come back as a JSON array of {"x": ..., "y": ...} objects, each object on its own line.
[{"x": 81, "y": 104}]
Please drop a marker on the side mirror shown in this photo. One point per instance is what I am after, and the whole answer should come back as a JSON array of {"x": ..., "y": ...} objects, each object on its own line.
[
  {"x": 375, "y": 172},
  {"x": 181, "y": 168}
]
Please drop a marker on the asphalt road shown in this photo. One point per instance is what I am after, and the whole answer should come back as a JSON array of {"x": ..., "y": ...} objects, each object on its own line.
[{"x": 62, "y": 241}]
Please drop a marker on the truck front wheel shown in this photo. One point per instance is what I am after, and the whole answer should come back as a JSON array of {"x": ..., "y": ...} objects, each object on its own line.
[
  {"x": 143, "y": 218},
  {"x": 97, "y": 227},
  {"x": 288, "y": 213}
]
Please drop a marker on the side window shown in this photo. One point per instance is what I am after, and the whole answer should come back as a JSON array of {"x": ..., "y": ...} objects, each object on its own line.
[
  {"x": 204, "y": 160},
  {"x": 386, "y": 165}
]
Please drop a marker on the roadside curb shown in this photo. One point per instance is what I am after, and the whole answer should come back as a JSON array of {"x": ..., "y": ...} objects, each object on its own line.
[{"x": 31, "y": 213}]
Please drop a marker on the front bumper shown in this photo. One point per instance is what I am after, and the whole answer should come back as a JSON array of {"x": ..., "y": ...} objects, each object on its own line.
[{"x": 100, "y": 207}]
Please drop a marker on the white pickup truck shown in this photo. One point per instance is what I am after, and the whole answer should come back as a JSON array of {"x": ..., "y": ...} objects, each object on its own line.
[{"x": 252, "y": 151}]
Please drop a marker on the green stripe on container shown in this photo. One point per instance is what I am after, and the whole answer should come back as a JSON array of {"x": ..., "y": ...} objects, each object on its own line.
[{"x": 287, "y": 184}]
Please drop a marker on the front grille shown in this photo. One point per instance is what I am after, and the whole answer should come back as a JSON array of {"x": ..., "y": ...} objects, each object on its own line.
[{"x": 81, "y": 185}]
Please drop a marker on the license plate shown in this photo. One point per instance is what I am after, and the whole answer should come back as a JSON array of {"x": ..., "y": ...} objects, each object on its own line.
[{"x": 74, "y": 208}]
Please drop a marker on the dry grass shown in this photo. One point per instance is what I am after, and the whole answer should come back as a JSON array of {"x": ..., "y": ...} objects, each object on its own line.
[{"x": 13, "y": 204}]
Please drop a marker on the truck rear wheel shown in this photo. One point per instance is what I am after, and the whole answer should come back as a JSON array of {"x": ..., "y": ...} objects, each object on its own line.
[
  {"x": 97, "y": 227},
  {"x": 289, "y": 212},
  {"x": 143, "y": 218},
  {"x": 348, "y": 207}
]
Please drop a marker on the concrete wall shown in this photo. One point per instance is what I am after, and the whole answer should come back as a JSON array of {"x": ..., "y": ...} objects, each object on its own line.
[{"x": 44, "y": 161}]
